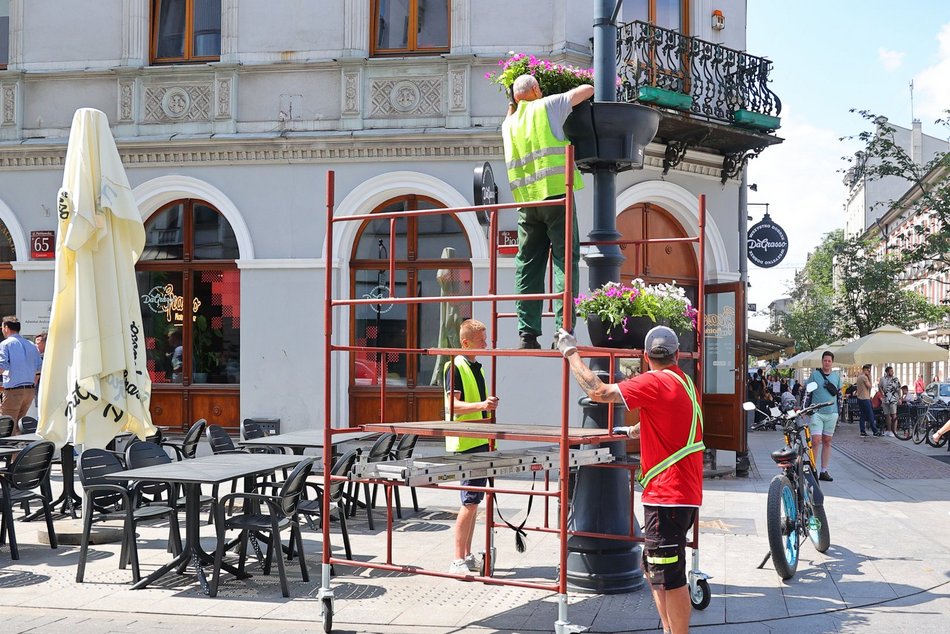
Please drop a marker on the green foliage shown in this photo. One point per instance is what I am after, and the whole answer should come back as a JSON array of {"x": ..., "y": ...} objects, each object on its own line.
[
  {"x": 663, "y": 303},
  {"x": 553, "y": 78},
  {"x": 870, "y": 295}
]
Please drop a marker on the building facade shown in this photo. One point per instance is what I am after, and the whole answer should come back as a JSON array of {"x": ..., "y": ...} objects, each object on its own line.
[{"x": 228, "y": 115}]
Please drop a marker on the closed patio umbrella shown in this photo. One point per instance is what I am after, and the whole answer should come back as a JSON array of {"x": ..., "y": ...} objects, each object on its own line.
[
  {"x": 889, "y": 344},
  {"x": 95, "y": 382}
]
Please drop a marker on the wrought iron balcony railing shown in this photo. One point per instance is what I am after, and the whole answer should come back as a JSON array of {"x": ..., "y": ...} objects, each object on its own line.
[{"x": 667, "y": 69}]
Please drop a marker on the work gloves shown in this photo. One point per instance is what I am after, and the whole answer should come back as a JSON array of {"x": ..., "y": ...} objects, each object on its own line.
[{"x": 566, "y": 343}]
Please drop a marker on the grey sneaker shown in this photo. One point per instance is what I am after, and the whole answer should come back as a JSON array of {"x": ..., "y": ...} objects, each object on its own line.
[
  {"x": 473, "y": 563},
  {"x": 459, "y": 567}
]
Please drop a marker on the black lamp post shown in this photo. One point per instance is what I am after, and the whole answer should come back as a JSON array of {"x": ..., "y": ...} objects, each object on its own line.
[{"x": 602, "y": 499}]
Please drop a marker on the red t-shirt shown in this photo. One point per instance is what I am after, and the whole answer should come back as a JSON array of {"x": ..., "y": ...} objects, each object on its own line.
[{"x": 666, "y": 413}]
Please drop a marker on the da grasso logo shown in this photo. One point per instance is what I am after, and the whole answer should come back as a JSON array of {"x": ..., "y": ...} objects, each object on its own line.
[{"x": 768, "y": 243}]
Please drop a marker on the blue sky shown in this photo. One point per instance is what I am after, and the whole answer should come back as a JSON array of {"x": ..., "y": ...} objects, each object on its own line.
[{"x": 829, "y": 57}]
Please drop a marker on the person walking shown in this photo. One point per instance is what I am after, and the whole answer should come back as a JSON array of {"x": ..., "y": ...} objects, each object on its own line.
[
  {"x": 470, "y": 401},
  {"x": 890, "y": 388},
  {"x": 534, "y": 141},
  {"x": 863, "y": 393},
  {"x": 20, "y": 362},
  {"x": 824, "y": 420},
  {"x": 671, "y": 446}
]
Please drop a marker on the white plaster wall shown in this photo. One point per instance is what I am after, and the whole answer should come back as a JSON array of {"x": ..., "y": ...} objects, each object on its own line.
[
  {"x": 307, "y": 30},
  {"x": 71, "y": 34},
  {"x": 49, "y": 103},
  {"x": 304, "y": 97}
]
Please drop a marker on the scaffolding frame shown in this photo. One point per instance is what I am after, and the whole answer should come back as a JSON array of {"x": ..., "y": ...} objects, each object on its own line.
[{"x": 565, "y": 436}]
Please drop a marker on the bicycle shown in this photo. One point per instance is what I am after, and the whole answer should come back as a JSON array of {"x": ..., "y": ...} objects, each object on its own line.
[
  {"x": 795, "y": 508},
  {"x": 923, "y": 419},
  {"x": 937, "y": 415}
]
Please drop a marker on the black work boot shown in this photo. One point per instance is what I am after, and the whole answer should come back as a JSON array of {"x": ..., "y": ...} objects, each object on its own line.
[{"x": 529, "y": 342}]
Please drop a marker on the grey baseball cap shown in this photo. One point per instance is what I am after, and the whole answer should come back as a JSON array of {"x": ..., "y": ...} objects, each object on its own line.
[{"x": 661, "y": 342}]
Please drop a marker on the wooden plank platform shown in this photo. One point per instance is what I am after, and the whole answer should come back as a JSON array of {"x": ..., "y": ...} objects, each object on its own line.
[{"x": 498, "y": 431}]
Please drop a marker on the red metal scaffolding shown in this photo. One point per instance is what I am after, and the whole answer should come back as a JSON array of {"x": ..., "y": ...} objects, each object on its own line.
[{"x": 564, "y": 435}]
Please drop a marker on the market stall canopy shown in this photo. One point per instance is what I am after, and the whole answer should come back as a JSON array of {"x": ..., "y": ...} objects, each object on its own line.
[
  {"x": 889, "y": 344},
  {"x": 765, "y": 345},
  {"x": 94, "y": 380},
  {"x": 813, "y": 359}
]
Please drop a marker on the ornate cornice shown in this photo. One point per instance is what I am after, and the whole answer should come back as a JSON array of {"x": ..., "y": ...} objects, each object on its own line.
[{"x": 337, "y": 148}]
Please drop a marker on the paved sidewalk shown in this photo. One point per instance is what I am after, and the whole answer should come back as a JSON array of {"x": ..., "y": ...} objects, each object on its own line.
[{"x": 886, "y": 571}]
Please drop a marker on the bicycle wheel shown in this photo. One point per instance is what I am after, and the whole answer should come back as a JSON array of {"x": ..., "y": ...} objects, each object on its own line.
[
  {"x": 920, "y": 430},
  {"x": 902, "y": 428},
  {"x": 818, "y": 531},
  {"x": 781, "y": 515},
  {"x": 931, "y": 428}
]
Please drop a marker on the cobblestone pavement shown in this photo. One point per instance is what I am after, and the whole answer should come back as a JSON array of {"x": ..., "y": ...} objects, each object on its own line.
[{"x": 886, "y": 571}]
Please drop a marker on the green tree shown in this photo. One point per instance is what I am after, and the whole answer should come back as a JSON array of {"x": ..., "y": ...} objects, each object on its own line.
[
  {"x": 810, "y": 319},
  {"x": 869, "y": 294}
]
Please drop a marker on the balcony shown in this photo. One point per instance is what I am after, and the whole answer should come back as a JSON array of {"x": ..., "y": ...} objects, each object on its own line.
[{"x": 709, "y": 97}]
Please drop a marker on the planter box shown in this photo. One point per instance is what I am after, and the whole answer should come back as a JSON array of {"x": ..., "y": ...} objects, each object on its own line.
[
  {"x": 757, "y": 120},
  {"x": 610, "y": 135},
  {"x": 664, "y": 98}
]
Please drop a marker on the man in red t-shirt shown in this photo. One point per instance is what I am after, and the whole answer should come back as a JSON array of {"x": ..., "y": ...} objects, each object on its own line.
[{"x": 671, "y": 459}]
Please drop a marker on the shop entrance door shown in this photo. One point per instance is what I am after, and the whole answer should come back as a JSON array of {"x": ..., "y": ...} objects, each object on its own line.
[{"x": 724, "y": 367}]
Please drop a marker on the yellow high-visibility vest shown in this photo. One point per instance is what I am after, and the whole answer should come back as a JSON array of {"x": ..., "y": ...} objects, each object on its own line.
[{"x": 470, "y": 394}]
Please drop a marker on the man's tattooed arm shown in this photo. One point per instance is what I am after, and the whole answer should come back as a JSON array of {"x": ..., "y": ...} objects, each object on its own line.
[{"x": 596, "y": 389}]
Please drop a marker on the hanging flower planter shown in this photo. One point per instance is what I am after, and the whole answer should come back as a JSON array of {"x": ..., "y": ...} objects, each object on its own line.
[{"x": 610, "y": 135}]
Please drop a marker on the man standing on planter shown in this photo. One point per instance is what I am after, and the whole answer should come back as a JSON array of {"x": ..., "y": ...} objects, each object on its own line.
[{"x": 534, "y": 154}]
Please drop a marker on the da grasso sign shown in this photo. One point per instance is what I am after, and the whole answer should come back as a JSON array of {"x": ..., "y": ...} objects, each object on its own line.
[{"x": 768, "y": 243}]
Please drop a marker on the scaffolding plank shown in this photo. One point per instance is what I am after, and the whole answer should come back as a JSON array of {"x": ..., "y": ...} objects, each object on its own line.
[{"x": 497, "y": 431}]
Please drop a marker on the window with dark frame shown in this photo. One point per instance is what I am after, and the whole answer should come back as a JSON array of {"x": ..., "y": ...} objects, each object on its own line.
[
  {"x": 185, "y": 31},
  {"x": 4, "y": 33},
  {"x": 409, "y": 27}
]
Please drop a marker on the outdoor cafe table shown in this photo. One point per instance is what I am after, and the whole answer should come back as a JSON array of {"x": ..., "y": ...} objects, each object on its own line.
[
  {"x": 191, "y": 474},
  {"x": 70, "y": 500},
  {"x": 297, "y": 441}
]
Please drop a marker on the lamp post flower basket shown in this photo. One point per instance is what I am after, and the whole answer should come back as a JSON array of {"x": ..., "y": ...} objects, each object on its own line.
[
  {"x": 620, "y": 315},
  {"x": 605, "y": 134}
]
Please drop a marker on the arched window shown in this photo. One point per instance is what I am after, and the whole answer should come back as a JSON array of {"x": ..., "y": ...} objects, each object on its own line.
[
  {"x": 7, "y": 274},
  {"x": 189, "y": 287},
  {"x": 433, "y": 259}
]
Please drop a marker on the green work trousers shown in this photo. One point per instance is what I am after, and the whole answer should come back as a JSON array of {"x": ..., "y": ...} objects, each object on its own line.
[{"x": 540, "y": 229}]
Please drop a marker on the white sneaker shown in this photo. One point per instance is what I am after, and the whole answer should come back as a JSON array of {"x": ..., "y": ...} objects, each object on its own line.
[
  {"x": 889, "y": 434},
  {"x": 473, "y": 563},
  {"x": 459, "y": 567}
]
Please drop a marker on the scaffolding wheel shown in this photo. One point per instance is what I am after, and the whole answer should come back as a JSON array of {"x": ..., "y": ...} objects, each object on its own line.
[
  {"x": 488, "y": 573},
  {"x": 699, "y": 594},
  {"x": 327, "y": 614}
]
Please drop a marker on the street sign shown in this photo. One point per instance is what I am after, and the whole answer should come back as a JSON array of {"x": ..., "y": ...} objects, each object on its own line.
[
  {"x": 751, "y": 308},
  {"x": 768, "y": 243},
  {"x": 42, "y": 245}
]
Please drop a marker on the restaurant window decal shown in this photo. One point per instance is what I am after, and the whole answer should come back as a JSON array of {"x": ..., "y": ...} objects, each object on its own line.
[{"x": 189, "y": 289}]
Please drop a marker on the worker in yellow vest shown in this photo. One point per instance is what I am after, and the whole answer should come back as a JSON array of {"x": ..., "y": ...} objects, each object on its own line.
[
  {"x": 534, "y": 154},
  {"x": 465, "y": 384}
]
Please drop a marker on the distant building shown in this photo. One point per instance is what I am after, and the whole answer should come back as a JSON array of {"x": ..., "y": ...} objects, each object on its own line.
[
  {"x": 868, "y": 200},
  {"x": 778, "y": 308}
]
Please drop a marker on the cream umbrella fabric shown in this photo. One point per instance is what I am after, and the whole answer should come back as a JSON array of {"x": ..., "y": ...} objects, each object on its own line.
[
  {"x": 813, "y": 359},
  {"x": 889, "y": 344},
  {"x": 95, "y": 383},
  {"x": 792, "y": 361}
]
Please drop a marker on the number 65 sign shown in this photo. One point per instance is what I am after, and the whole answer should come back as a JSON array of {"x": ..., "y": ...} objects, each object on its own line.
[{"x": 42, "y": 245}]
